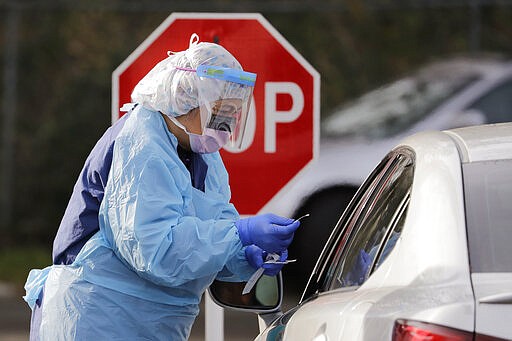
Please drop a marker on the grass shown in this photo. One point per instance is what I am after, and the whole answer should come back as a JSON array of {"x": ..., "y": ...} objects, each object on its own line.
[{"x": 15, "y": 263}]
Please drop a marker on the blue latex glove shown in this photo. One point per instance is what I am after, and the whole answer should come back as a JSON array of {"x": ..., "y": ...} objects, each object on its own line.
[
  {"x": 256, "y": 258},
  {"x": 270, "y": 232},
  {"x": 356, "y": 276}
]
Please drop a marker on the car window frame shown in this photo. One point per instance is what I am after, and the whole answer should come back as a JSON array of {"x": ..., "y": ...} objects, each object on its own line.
[
  {"x": 344, "y": 229},
  {"x": 342, "y": 273},
  {"x": 328, "y": 253}
]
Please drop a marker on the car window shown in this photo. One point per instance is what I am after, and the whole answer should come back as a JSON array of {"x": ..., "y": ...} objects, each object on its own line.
[
  {"x": 331, "y": 256},
  {"x": 497, "y": 104},
  {"x": 374, "y": 225},
  {"x": 488, "y": 194},
  {"x": 396, "y": 230},
  {"x": 332, "y": 250}
]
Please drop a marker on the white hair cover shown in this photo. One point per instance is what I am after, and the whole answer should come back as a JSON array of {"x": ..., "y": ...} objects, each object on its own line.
[{"x": 175, "y": 92}]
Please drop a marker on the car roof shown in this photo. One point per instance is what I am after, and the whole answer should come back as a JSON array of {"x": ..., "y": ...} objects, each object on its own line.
[
  {"x": 464, "y": 64},
  {"x": 484, "y": 142}
]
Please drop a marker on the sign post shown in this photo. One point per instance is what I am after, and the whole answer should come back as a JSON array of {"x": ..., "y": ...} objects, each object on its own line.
[{"x": 283, "y": 131}]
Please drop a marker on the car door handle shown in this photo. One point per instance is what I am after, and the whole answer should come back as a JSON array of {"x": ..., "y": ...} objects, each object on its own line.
[{"x": 503, "y": 298}]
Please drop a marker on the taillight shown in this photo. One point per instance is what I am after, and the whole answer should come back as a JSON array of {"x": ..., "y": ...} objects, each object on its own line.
[{"x": 421, "y": 331}]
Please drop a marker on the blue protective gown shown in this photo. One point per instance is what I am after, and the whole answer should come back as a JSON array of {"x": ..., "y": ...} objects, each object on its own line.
[{"x": 161, "y": 243}]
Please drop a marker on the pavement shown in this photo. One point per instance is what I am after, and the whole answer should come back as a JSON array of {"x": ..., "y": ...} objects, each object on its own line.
[{"x": 15, "y": 320}]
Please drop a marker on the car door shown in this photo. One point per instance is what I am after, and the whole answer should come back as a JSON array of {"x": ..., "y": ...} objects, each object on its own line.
[{"x": 488, "y": 194}]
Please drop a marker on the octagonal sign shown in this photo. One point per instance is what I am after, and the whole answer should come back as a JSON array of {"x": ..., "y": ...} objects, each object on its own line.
[{"x": 282, "y": 137}]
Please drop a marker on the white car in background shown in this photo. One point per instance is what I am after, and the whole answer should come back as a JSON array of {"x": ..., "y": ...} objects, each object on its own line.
[
  {"x": 422, "y": 252},
  {"x": 442, "y": 95}
]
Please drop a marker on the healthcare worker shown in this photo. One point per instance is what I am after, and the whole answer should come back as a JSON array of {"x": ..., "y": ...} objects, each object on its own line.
[{"x": 166, "y": 227}]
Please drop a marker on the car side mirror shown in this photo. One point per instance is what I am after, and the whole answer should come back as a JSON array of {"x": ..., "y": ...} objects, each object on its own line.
[{"x": 265, "y": 297}]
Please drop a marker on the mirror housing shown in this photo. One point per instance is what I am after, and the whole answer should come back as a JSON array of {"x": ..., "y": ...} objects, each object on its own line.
[{"x": 265, "y": 297}]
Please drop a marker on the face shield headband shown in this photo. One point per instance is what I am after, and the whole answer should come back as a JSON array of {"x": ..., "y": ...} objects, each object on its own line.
[{"x": 224, "y": 96}]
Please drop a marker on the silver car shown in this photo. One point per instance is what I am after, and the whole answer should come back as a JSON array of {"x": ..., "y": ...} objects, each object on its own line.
[{"x": 422, "y": 252}]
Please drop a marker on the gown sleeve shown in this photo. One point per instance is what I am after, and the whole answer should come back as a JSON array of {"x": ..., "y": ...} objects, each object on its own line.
[{"x": 146, "y": 223}]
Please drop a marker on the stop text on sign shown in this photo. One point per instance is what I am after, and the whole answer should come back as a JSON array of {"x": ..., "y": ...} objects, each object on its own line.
[{"x": 273, "y": 115}]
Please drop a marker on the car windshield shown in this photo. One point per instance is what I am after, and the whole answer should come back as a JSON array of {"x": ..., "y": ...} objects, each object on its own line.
[
  {"x": 488, "y": 194},
  {"x": 393, "y": 108}
]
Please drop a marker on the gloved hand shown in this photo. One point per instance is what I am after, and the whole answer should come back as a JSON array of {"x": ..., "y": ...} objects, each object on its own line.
[
  {"x": 362, "y": 263},
  {"x": 270, "y": 232},
  {"x": 256, "y": 258}
]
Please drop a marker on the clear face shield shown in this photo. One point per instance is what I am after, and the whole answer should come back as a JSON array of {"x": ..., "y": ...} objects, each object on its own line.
[{"x": 224, "y": 96}]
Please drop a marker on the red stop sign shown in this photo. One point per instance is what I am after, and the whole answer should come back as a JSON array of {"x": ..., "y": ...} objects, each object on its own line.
[{"x": 282, "y": 139}]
